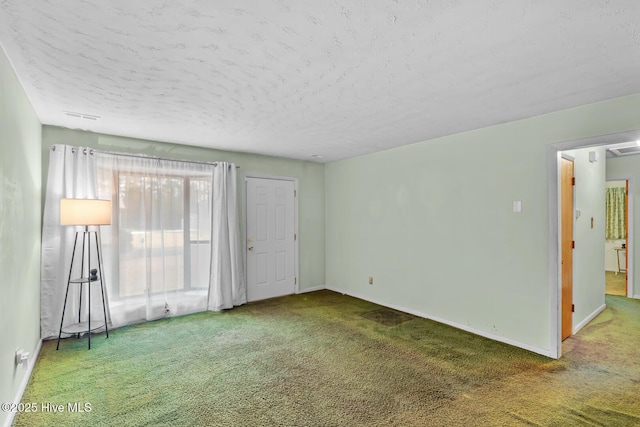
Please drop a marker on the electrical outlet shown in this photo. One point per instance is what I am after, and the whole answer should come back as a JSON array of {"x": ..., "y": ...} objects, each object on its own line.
[
  {"x": 22, "y": 357},
  {"x": 371, "y": 280}
]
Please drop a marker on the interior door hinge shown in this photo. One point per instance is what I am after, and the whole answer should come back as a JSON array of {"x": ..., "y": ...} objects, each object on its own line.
[
  {"x": 295, "y": 280},
  {"x": 573, "y": 244},
  {"x": 573, "y": 180},
  {"x": 295, "y": 193},
  {"x": 295, "y": 237},
  {"x": 573, "y": 308}
]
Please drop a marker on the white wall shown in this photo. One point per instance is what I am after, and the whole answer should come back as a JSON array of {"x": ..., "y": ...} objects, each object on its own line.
[
  {"x": 433, "y": 223},
  {"x": 20, "y": 227},
  {"x": 588, "y": 255}
]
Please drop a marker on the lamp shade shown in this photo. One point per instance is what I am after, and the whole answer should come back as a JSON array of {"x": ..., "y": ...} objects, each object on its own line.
[{"x": 85, "y": 212}]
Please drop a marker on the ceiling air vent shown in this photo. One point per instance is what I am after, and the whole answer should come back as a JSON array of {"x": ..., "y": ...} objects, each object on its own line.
[
  {"x": 82, "y": 115},
  {"x": 624, "y": 149}
]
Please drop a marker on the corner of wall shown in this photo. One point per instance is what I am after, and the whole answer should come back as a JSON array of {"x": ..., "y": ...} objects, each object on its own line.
[
  {"x": 23, "y": 384},
  {"x": 20, "y": 233}
]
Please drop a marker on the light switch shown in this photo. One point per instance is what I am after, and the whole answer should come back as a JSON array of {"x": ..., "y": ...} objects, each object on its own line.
[{"x": 517, "y": 206}]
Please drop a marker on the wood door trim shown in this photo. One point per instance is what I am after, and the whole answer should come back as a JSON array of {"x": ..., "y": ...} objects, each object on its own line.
[
  {"x": 566, "y": 252},
  {"x": 626, "y": 237}
]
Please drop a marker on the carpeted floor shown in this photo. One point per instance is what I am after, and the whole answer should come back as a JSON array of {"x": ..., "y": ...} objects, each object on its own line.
[
  {"x": 325, "y": 359},
  {"x": 615, "y": 284}
]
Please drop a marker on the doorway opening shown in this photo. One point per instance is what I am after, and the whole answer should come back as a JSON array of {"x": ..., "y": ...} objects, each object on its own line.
[
  {"x": 617, "y": 238},
  {"x": 554, "y": 154}
]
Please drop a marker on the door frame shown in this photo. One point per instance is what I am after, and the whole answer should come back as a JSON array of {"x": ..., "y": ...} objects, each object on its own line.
[
  {"x": 563, "y": 308},
  {"x": 553, "y": 225},
  {"x": 248, "y": 175}
]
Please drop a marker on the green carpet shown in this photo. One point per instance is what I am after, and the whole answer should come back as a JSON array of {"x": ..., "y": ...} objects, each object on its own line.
[{"x": 325, "y": 359}]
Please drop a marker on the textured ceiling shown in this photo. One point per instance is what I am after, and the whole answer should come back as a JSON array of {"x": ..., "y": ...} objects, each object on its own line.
[{"x": 335, "y": 78}]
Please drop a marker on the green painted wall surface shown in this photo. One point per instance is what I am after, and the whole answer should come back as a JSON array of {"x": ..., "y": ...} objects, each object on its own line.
[
  {"x": 20, "y": 228},
  {"x": 310, "y": 176},
  {"x": 433, "y": 224},
  {"x": 588, "y": 255},
  {"x": 629, "y": 168}
]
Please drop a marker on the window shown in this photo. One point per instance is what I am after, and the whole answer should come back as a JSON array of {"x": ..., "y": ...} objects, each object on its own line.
[
  {"x": 615, "y": 201},
  {"x": 163, "y": 234},
  {"x": 156, "y": 254}
]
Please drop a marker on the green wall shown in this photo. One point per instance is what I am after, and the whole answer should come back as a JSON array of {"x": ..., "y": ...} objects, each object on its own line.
[
  {"x": 310, "y": 176},
  {"x": 433, "y": 224},
  {"x": 588, "y": 255},
  {"x": 20, "y": 227}
]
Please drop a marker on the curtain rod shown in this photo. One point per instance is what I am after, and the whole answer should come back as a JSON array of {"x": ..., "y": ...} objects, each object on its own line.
[{"x": 141, "y": 156}]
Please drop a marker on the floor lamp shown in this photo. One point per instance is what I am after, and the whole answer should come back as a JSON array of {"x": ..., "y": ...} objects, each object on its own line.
[{"x": 85, "y": 212}]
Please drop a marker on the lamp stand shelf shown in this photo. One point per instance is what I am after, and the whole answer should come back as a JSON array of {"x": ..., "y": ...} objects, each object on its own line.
[{"x": 92, "y": 277}]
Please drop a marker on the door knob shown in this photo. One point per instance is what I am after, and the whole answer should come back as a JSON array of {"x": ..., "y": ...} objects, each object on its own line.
[{"x": 250, "y": 248}]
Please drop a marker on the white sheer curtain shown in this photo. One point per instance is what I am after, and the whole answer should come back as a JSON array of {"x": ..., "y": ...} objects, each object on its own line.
[
  {"x": 158, "y": 252},
  {"x": 173, "y": 244},
  {"x": 227, "y": 279},
  {"x": 71, "y": 174}
]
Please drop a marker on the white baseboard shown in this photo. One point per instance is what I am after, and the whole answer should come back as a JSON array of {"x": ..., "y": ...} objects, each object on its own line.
[
  {"x": 589, "y": 318},
  {"x": 534, "y": 349},
  {"x": 23, "y": 384},
  {"x": 315, "y": 288}
]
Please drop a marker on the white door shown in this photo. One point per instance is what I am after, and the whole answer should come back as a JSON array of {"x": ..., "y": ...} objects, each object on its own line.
[{"x": 270, "y": 245}]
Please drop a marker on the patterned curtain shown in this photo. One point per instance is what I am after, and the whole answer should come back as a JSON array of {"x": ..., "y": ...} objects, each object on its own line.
[{"x": 616, "y": 228}]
